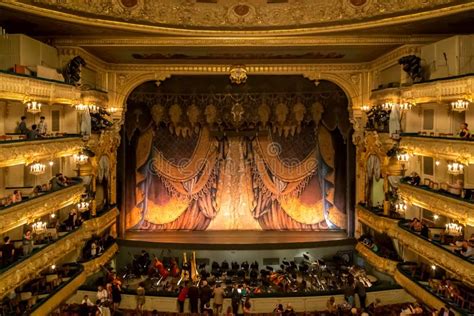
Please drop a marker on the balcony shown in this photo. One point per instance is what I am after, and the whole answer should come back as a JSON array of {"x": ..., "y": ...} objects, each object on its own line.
[
  {"x": 432, "y": 251},
  {"x": 445, "y": 204},
  {"x": 380, "y": 263},
  {"x": 28, "y": 210},
  {"x": 28, "y": 268},
  {"x": 17, "y": 152},
  {"x": 58, "y": 297},
  {"x": 448, "y": 148},
  {"x": 432, "y": 91},
  {"x": 435, "y": 289},
  {"x": 19, "y": 87}
]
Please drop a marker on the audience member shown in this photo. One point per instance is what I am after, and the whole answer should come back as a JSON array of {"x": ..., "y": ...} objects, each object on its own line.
[
  {"x": 331, "y": 305},
  {"x": 22, "y": 129},
  {"x": 8, "y": 251},
  {"x": 360, "y": 289},
  {"x": 278, "y": 309},
  {"x": 27, "y": 242},
  {"x": 102, "y": 294},
  {"x": 193, "y": 294},
  {"x": 33, "y": 133},
  {"x": 183, "y": 292},
  {"x": 464, "y": 131},
  {"x": 236, "y": 298},
  {"x": 205, "y": 295},
  {"x": 218, "y": 298},
  {"x": 42, "y": 126},
  {"x": 16, "y": 196},
  {"x": 247, "y": 306},
  {"x": 141, "y": 297}
]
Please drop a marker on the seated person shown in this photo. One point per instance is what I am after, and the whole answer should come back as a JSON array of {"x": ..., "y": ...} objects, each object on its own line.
[
  {"x": 413, "y": 179},
  {"x": 464, "y": 131},
  {"x": 456, "y": 188},
  {"x": 415, "y": 224},
  {"x": 425, "y": 231},
  {"x": 16, "y": 196}
]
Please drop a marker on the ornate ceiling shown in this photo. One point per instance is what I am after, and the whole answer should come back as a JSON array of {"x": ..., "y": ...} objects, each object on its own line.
[{"x": 241, "y": 17}]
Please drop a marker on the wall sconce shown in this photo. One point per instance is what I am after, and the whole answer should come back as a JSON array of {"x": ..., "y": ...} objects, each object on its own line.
[
  {"x": 83, "y": 206},
  {"x": 365, "y": 108},
  {"x": 403, "y": 157},
  {"x": 401, "y": 207},
  {"x": 388, "y": 105},
  {"x": 405, "y": 106},
  {"x": 80, "y": 107},
  {"x": 80, "y": 158}
]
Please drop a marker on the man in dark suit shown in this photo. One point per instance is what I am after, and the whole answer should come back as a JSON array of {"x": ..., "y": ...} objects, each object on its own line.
[
  {"x": 193, "y": 295},
  {"x": 205, "y": 295}
]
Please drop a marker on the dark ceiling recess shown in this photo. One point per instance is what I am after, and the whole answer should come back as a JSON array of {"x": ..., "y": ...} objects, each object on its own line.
[
  {"x": 206, "y": 1},
  {"x": 277, "y": 1}
]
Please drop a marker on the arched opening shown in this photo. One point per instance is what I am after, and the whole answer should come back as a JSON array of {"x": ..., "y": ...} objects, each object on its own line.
[{"x": 200, "y": 153}]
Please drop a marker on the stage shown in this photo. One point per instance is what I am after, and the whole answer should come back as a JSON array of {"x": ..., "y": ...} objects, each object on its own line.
[{"x": 227, "y": 240}]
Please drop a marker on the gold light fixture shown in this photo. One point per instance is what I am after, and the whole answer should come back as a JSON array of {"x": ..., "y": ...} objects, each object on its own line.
[
  {"x": 460, "y": 105},
  {"x": 403, "y": 157},
  {"x": 81, "y": 107},
  {"x": 37, "y": 168},
  {"x": 388, "y": 105},
  {"x": 33, "y": 107},
  {"x": 80, "y": 158},
  {"x": 83, "y": 206},
  {"x": 455, "y": 168},
  {"x": 453, "y": 229},
  {"x": 112, "y": 110},
  {"x": 401, "y": 207},
  {"x": 93, "y": 108},
  {"x": 39, "y": 227},
  {"x": 405, "y": 106},
  {"x": 366, "y": 108}
]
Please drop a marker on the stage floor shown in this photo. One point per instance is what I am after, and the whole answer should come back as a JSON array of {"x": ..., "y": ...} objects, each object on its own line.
[{"x": 237, "y": 239}]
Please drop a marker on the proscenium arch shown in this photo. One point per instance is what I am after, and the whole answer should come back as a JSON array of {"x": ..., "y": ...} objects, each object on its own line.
[{"x": 349, "y": 88}]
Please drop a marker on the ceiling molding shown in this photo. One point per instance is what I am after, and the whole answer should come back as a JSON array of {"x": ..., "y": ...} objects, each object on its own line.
[
  {"x": 419, "y": 10},
  {"x": 337, "y": 40}
]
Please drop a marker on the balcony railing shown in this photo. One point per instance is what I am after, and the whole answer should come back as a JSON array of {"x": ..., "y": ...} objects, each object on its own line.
[
  {"x": 435, "y": 252},
  {"x": 63, "y": 293},
  {"x": 449, "y": 148},
  {"x": 28, "y": 210},
  {"x": 380, "y": 263},
  {"x": 28, "y": 268},
  {"x": 438, "y": 202},
  {"x": 406, "y": 275},
  {"x": 433, "y": 91},
  {"x": 27, "y": 151}
]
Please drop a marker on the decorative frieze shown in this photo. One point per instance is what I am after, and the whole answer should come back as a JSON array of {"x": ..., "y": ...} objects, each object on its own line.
[
  {"x": 461, "y": 211},
  {"x": 382, "y": 264},
  {"x": 28, "y": 211},
  {"x": 441, "y": 148},
  {"x": 26, "y": 152}
]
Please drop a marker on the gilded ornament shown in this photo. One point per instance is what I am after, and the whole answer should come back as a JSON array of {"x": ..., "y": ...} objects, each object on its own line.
[
  {"x": 238, "y": 74},
  {"x": 157, "y": 113}
]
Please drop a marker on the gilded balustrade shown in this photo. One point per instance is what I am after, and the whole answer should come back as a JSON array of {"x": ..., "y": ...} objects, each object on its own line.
[
  {"x": 439, "y": 147},
  {"x": 26, "y": 152},
  {"x": 90, "y": 267},
  {"x": 418, "y": 291},
  {"x": 441, "y": 204},
  {"x": 28, "y": 211},
  {"x": 436, "y": 91},
  {"x": 18, "y": 87},
  {"x": 435, "y": 253},
  {"x": 29, "y": 268},
  {"x": 380, "y": 263}
]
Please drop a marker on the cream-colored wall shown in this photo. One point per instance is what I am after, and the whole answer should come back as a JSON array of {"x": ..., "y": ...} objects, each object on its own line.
[{"x": 388, "y": 75}]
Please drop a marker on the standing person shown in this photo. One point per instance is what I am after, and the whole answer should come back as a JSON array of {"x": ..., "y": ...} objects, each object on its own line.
[
  {"x": 236, "y": 298},
  {"x": 116, "y": 297},
  {"x": 349, "y": 292},
  {"x": 218, "y": 299},
  {"x": 183, "y": 292},
  {"x": 205, "y": 295},
  {"x": 8, "y": 251},
  {"x": 16, "y": 196},
  {"x": 360, "y": 289},
  {"x": 140, "y": 297},
  {"x": 42, "y": 126},
  {"x": 102, "y": 294},
  {"x": 27, "y": 242},
  {"x": 247, "y": 306},
  {"x": 193, "y": 294},
  {"x": 331, "y": 306},
  {"x": 22, "y": 129}
]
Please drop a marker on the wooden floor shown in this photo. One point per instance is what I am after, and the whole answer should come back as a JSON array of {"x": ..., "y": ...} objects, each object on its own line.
[{"x": 238, "y": 239}]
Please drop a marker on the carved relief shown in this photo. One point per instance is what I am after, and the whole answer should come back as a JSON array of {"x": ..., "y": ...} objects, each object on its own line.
[
  {"x": 250, "y": 14},
  {"x": 380, "y": 263},
  {"x": 457, "y": 150},
  {"x": 440, "y": 204},
  {"x": 28, "y": 152},
  {"x": 28, "y": 212}
]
